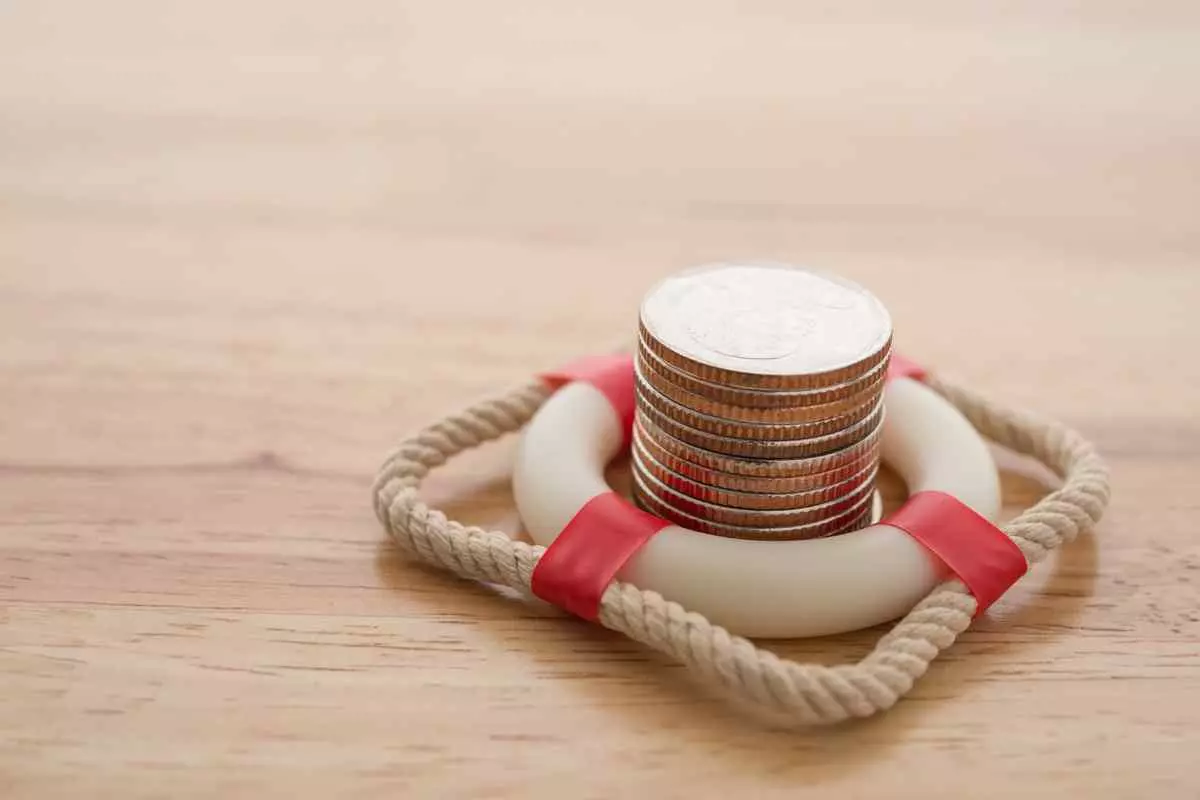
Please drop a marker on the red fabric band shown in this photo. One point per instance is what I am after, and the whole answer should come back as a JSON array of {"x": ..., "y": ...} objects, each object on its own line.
[
  {"x": 974, "y": 549},
  {"x": 612, "y": 375},
  {"x": 580, "y": 564},
  {"x": 901, "y": 367}
]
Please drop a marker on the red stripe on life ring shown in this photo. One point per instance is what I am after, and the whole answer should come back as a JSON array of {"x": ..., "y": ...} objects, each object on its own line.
[
  {"x": 975, "y": 550},
  {"x": 611, "y": 375},
  {"x": 901, "y": 367},
  {"x": 585, "y": 558}
]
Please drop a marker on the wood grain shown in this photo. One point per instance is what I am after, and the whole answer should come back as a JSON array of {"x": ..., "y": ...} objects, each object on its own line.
[{"x": 244, "y": 247}]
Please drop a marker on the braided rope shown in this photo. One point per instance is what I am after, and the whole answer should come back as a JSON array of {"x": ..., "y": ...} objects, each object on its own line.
[{"x": 785, "y": 691}]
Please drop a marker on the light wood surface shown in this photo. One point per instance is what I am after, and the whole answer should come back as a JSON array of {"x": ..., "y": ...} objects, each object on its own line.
[{"x": 245, "y": 246}]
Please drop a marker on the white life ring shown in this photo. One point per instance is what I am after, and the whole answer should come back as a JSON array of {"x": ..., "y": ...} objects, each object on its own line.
[{"x": 769, "y": 589}]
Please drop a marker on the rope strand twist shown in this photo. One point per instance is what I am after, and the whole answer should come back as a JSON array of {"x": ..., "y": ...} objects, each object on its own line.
[{"x": 785, "y": 691}]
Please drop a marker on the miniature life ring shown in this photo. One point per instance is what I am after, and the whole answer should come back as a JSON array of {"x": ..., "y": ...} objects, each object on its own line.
[
  {"x": 786, "y": 691},
  {"x": 768, "y": 589}
]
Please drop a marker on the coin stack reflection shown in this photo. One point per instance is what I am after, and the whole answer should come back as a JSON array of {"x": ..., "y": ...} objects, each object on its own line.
[{"x": 760, "y": 402}]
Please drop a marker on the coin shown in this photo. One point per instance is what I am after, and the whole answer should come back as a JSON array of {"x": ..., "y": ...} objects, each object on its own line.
[
  {"x": 749, "y": 499},
  {"x": 785, "y": 415},
  {"x": 765, "y": 326},
  {"x": 653, "y": 505},
  {"x": 761, "y": 448},
  {"x": 753, "y": 518},
  {"x": 735, "y": 479},
  {"x": 791, "y": 474},
  {"x": 739, "y": 429},
  {"x": 760, "y": 398}
]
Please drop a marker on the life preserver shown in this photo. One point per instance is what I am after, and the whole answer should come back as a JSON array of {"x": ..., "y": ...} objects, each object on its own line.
[{"x": 794, "y": 588}]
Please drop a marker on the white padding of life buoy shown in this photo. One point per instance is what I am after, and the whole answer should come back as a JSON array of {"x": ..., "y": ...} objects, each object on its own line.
[{"x": 769, "y": 589}]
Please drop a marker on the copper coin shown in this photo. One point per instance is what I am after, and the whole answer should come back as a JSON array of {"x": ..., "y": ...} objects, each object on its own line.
[
  {"x": 766, "y": 326},
  {"x": 731, "y": 475},
  {"x": 760, "y": 398},
  {"x": 765, "y": 501},
  {"x": 761, "y": 448},
  {"x": 737, "y": 429},
  {"x": 648, "y": 502},
  {"x": 756, "y": 415},
  {"x": 849, "y": 457},
  {"x": 753, "y": 518}
]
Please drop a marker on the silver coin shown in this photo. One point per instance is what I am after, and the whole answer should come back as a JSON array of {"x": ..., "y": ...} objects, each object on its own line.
[
  {"x": 760, "y": 448},
  {"x": 766, "y": 326}
]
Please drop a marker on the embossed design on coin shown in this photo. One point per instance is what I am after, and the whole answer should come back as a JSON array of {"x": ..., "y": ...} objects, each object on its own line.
[{"x": 766, "y": 320}]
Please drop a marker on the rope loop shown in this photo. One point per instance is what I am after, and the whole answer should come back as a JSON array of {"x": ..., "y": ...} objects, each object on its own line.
[{"x": 788, "y": 692}]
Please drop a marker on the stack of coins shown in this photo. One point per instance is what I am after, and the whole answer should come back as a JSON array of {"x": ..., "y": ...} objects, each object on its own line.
[{"x": 760, "y": 401}]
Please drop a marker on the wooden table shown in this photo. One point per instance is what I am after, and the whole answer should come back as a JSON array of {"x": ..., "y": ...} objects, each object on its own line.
[{"x": 245, "y": 246}]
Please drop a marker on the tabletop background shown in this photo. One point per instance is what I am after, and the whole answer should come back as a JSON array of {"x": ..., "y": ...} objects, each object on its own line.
[{"x": 244, "y": 247}]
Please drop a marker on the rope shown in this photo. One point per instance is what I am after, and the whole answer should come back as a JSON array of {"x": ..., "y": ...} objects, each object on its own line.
[{"x": 756, "y": 679}]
